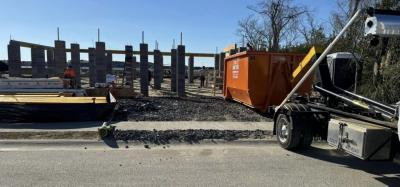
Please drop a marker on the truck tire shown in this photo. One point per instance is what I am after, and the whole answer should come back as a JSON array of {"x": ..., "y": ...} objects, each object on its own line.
[
  {"x": 286, "y": 133},
  {"x": 306, "y": 139}
]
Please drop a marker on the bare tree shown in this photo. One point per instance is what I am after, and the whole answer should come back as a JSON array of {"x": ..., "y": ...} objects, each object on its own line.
[
  {"x": 254, "y": 33},
  {"x": 281, "y": 16},
  {"x": 313, "y": 33}
]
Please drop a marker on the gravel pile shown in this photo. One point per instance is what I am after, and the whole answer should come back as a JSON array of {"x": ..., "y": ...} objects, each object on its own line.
[
  {"x": 190, "y": 136},
  {"x": 185, "y": 109}
]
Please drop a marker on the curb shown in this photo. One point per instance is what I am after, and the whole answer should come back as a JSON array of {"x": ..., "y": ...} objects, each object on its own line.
[{"x": 49, "y": 135}]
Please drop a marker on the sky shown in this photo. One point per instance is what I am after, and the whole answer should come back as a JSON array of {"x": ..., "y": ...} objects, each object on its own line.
[{"x": 206, "y": 24}]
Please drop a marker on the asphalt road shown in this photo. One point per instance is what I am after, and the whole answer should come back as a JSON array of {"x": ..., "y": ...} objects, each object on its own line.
[{"x": 245, "y": 164}]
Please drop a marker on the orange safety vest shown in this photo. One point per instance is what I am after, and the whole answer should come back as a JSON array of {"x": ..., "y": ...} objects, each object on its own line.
[{"x": 69, "y": 73}]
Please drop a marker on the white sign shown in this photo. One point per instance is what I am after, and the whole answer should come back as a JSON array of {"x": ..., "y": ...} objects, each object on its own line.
[{"x": 235, "y": 70}]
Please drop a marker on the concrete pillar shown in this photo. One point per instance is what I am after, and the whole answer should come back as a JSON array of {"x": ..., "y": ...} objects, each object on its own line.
[
  {"x": 109, "y": 63},
  {"x": 100, "y": 63},
  {"x": 144, "y": 69},
  {"x": 92, "y": 67},
  {"x": 50, "y": 63},
  {"x": 129, "y": 66},
  {"x": 221, "y": 64},
  {"x": 158, "y": 69},
  {"x": 162, "y": 67},
  {"x": 76, "y": 62},
  {"x": 135, "y": 68},
  {"x": 38, "y": 62},
  {"x": 216, "y": 62},
  {"x": 173, "y": 69},
  {"x": 181, "y": 71},
  {"x": 14, "y": 59},
  {"x": 60, "y": 58},
  {"x": 191, "y": 66}
]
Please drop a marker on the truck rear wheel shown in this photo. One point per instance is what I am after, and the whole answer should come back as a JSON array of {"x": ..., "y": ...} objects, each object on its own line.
[
  {"x": 287, "y": 135},
  {"x": 306, "y": 139}
]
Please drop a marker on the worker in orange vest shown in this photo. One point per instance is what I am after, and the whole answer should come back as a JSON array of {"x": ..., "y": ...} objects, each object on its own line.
[{"x": 69, "y": 77}]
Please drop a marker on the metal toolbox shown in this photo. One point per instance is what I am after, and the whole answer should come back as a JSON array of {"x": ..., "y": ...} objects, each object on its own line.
[{"x": 361, "y": 139}]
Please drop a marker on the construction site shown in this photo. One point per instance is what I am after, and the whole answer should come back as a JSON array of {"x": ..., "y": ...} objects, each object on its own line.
[
  {"x": 244, "y": 85},
  {"x": 300, "y": 97}
]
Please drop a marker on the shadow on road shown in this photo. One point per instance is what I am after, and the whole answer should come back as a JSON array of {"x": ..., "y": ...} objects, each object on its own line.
[
  {"x": 111, "y": 142},
  {"x": 388, "y": 172}
]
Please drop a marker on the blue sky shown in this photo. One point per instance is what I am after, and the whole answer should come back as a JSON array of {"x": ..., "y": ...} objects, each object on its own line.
[{"x": 206, "y": 24}]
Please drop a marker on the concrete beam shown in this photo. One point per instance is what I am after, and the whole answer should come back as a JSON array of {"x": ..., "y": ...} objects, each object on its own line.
[
  {"x": 121, "y": 52},
  {"x": 32, "y": 45}
]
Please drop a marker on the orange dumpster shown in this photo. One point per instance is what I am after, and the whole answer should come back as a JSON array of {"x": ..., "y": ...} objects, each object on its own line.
[{"x": 261, "y": 79}]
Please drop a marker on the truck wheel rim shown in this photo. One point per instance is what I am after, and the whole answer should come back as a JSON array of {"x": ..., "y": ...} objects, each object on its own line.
[{"x": 284, "y": 133}]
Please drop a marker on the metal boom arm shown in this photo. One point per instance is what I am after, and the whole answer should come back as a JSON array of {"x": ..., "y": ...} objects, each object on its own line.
[{"x": 320, "y": 59}]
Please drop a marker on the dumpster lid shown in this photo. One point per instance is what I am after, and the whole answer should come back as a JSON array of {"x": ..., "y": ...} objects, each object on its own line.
[{"x": 344, "y": 55}]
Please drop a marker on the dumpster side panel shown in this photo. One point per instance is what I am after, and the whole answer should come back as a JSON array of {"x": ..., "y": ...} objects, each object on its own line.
[
  {"x": 236, "y": 79},
  {"x": 279, "y": 77},
  {"x": 261, "y": 79}
]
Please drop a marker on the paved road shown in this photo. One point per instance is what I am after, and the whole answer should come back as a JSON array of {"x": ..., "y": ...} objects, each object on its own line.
[{"x": 186, "y": 165}]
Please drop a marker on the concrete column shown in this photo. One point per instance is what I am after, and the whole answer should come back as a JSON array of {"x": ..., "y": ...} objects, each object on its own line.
[
  {"x": 76, "y": 62},
  {"x": 216, "y": 62},
  {"x": 134, "y": 68},
  {"x": 162, "y": 68},
  {"x": 92, "y": 67},
  {"x": 144, "y": 69},
  {"x": 191, "y": 66},
  {"x": 60, "y": 58},
  {"x": 109, "y": 63},
  {"x": 100, "y": 62},
  {"x": 173, "y": 69},
  {"x": 50, "y": 63},
  {"x": 14, "y": 59},
  {"x": 181, "y": 71},
  {"x": 221, "y": 64},
  {"x": 38, "y": 62},
  {"x": 129, "y": 66},
  {"x": 158, "y": 72}
]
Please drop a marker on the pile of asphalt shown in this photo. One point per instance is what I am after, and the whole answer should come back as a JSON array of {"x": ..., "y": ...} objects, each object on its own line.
[
  {"x": 188, "y": 136},
  {"x": 185, "y": 109}
]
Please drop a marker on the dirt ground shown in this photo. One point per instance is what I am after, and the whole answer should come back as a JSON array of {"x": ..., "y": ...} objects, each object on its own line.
[
  {"x": 185, "y": 109},
  {"x": 201, "y": 104}
]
